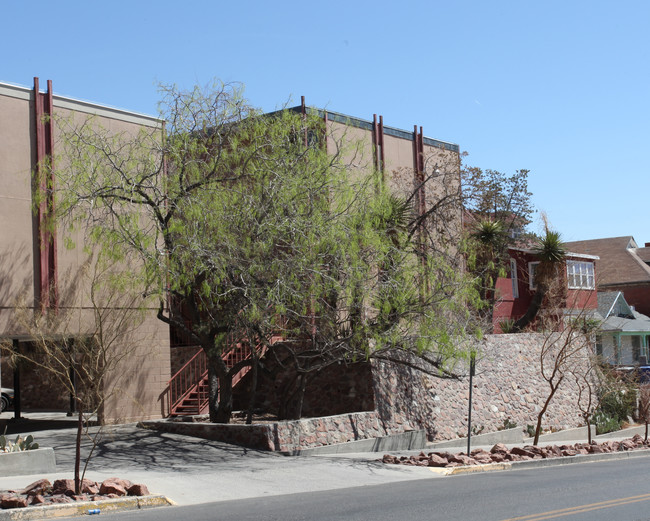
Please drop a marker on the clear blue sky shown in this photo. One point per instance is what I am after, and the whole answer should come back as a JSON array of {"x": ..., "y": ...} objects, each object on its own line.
[{"x": 558, "y": 87}]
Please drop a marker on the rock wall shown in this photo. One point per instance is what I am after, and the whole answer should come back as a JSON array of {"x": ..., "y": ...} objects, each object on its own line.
[
  {"x": 507, "y": 387},
  {"x": 287, "y": 436}
]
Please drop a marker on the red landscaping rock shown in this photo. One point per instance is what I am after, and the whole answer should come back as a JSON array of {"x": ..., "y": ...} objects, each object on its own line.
[
  {"x": 499, "y": 448},
  {"x": 115, "y": 486},
  {"x": 89, "y": 487},
  {"x": 40, "y": 487},
  {"x": 13, "y": 501},
  {"x": 389, "y": 459},
  {"x": 518, "y": 451},
  {"x": 462, "y": 460},
  {"x": 60, "y": 498},
  {"x": 63, "y": 486},
  {"x": 437, "y": 461},
  {"x": 36, "y": 500},
  {"x": 138, "y": 489}
]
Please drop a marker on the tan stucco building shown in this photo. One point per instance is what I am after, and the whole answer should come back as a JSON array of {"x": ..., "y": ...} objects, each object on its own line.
[{"x": 40, "y": 274}]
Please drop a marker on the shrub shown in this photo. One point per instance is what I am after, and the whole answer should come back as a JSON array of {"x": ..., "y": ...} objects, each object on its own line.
[{"x": 605, "y": 423}]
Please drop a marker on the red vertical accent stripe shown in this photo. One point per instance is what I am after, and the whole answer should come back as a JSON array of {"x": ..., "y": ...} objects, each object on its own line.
[{"x": 47, "y": 292}]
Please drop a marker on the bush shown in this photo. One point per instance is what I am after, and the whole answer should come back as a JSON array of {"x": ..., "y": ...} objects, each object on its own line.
[
  {"x": 619, "y": 404},
  {"x": 605, "y": 423}
]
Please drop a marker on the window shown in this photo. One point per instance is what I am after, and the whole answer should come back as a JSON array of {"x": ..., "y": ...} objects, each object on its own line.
[
  {"x": 580, "y": 275},
  {"x": 513, "y": 276},
  {"x": 532, "y": 268}
]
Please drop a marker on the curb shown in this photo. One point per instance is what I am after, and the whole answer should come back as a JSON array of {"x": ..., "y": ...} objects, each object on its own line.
[
  {"x": 538, "y": 463},
  {"x": 81, "y": 508}
]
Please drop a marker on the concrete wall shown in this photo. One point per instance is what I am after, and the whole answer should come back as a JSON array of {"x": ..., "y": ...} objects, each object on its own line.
[{"x": 507, "y": 386}]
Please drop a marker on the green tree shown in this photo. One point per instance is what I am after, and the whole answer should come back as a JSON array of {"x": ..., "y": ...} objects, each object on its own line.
[
  {"x": 548, "y": 277},
  {"x": 244, "y": 226},
  {"x": 498, "y": 208}
]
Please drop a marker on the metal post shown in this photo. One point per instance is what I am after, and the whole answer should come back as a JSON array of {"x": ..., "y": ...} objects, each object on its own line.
[
  {"x": 472, "y": 370},
  {"x": 17, "y": 405}
]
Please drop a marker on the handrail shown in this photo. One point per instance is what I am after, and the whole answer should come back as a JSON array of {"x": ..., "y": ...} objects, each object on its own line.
[
  {"x": 192, "y": 377},
  {"x": 187, "y": 380}
]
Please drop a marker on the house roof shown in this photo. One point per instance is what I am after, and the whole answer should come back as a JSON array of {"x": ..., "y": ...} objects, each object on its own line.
[
  {"x": 620, "y": 262},
  {"x": 639, "y": 324},
  {"x": 569, "y": 254},
  {"x": 607, "y": 304},
  {"x": 644, "y": 254},
  {"x": 618, "y": 315}
]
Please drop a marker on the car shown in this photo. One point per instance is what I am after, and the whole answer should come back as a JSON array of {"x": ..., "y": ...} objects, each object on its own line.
[{"x": 6, "y": 398}]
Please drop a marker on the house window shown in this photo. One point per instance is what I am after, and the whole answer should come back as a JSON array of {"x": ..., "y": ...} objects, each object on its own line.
[
  {"x": 513, "y": 276},
  {"x": 532, "y": 268},
  {"x": 580, "y": 274}
]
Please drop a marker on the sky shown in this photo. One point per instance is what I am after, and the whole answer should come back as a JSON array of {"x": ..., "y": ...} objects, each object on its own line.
[{"x": 561, "y": 88}]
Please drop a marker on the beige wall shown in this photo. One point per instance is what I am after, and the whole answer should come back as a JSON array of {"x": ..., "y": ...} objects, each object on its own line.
[
  {"x": 16, "y": 243},
  {"x": 139, "y": 378},
  {"x": 441, "y": 162}
]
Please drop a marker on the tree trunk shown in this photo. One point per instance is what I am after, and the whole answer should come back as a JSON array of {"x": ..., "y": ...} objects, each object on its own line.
[
  {"x": 77, "y": 450},
  {"x": 538, "y": 429},
  {"x": 220, "y": 400},
  {"x": 251, "y": 402},
  {"x": 527, "y": 318},
  {"x": 224, "y": 410}
]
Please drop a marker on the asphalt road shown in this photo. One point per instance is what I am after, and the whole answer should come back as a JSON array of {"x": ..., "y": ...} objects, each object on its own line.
[{"x": 617, "y": 490}]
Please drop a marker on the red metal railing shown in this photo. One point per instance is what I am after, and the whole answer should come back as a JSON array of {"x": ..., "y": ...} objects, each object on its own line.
[{"x": 188, "y": 390}]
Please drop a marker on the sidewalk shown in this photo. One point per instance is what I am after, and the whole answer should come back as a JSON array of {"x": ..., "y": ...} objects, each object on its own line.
[{"x": 192, "y": 471}]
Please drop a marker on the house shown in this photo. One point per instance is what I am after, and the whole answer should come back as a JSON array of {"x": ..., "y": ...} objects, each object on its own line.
[
  {"x": 515, "y": 291},
  {"x": 39, "y": 274},
  {"x": 623, "y": 266},
  {"x": 624, "y": 332}
]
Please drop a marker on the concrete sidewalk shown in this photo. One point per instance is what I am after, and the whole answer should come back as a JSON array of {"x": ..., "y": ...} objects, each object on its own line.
[{"x": 192, "y": 470}]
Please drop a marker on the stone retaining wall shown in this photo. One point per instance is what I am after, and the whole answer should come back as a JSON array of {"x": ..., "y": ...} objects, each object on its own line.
[
  {"x": 286, "y": 436},
  {"x": 507, "y": 386}
]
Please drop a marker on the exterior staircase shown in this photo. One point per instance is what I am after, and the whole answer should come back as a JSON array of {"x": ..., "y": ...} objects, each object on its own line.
[{"x": 188, "y": 391}]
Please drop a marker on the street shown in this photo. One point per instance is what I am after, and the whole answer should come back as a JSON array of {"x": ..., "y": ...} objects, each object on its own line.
[{"x": 591, "y": 491}]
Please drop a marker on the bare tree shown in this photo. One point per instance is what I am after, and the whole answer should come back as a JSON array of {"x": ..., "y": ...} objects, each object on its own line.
[
  {"x": 567, "y": 348},
  {"x": 85, "y": 348},
  {"x": 644, "y": 407}
]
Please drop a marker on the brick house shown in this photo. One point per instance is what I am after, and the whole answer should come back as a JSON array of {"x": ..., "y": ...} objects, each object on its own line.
[
  {"x": 623, "y": 266},
  {"x": 515, "y": 291}
]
